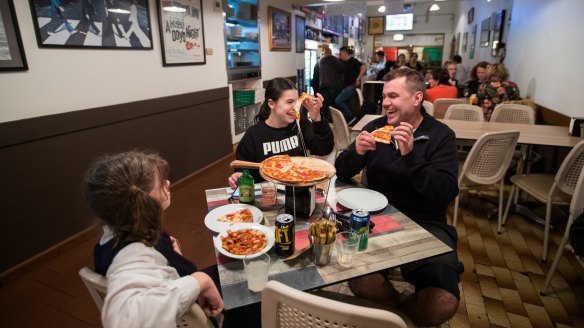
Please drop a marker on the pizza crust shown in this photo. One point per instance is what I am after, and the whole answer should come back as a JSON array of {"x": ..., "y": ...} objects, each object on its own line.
[{"x": 383, "y": 134}]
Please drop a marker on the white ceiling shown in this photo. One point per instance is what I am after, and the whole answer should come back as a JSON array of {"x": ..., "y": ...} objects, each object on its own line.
[{"x": 352, "y": 7}]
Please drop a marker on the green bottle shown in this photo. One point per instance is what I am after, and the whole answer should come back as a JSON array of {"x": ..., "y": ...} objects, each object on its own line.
[{"x": 246, "y": 188}]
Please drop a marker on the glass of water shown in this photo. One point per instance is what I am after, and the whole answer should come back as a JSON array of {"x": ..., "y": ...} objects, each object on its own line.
[{"x": 256, "y": 271}]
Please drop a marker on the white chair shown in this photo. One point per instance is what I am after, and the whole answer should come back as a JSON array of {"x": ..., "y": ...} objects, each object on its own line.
[
  {"x": 550, "y": 189},
  {"x": 429, "y": 107},
  {"x": 464, "y": 112},
  {"x": 513, "y": 113},
  {"x": 340, "y": 130},
  {"x": 486, "y": 165},
  {"x": 441, "y": 106},
  {"x": 284, "y": 306},
  {"x": 576, "y": 208},
  {"x": 97, "y": 286}
]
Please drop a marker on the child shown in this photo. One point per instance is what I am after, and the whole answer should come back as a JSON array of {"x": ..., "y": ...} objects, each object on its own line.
[{"x": 129, "y": 192}]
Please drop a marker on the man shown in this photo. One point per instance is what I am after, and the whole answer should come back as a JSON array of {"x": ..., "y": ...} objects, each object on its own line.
[
  {"x": 353, "y": 71},
  {"x": 461, "y": 71},
  {"x": 451, "y": 68},
  {"x": 418, "y": 175},
  {"x": 330, "y": 77},
  {"x": 380, "y": 59}
]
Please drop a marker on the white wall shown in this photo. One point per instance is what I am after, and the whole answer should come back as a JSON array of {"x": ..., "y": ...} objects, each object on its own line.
[{"x": 544, "y": 53}]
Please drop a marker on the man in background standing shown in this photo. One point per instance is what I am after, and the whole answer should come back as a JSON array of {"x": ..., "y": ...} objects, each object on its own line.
[
  {"x": 461, "y": 71},
  {"x": 330, "y": 80},
  {"x": 353, "y": 71}
]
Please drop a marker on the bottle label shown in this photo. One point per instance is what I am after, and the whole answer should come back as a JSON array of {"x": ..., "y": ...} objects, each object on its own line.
[{"x": 246, "y": 194}]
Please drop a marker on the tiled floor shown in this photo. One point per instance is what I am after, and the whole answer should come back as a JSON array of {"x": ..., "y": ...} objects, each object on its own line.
[{"x": 500, "y": 286}]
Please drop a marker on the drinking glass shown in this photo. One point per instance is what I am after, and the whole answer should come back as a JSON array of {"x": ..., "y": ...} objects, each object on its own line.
[
  {"x": 269, "y": 194},
  {"x": 347, "y": 244},
  {"x": 256, "y": 271},
  {"x": 465, "y": 92}
]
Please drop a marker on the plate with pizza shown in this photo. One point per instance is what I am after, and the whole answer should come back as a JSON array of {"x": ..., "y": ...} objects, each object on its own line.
[
  {"x": 226, "y": 216},
  {"x": 383, "y": 134},
  {"x": 241, "y": 240}
]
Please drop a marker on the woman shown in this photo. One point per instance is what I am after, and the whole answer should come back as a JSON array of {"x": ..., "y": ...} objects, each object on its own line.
[
  {"x": 128, "y": 192},
  {"x": 276, "y": 130},
  {"x": 414, "y": 63},
  {"x": 440, "y": 86},
  {"x": 496, "y": 89},
  {"x": 477, "y": 75}
]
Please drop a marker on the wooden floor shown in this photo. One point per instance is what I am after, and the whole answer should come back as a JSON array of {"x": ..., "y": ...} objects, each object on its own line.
[{"x": 500, "y": 286}]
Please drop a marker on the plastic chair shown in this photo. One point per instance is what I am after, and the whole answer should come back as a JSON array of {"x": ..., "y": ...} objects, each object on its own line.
[
  {"x": 284, "y": 306},
  {"x": 513, "y": 113},
  {"x": 464, "y": 112},
  {"x": 441, "y": 105},
  {"x": 550, "y": 189},
  {"x": 97, "y": 286},
  {"x": 486, "y": 164},
  {"x": 429, "y": 107},
  {"x": 340, "y": 130},
  {"x": 576, "y": 208}
]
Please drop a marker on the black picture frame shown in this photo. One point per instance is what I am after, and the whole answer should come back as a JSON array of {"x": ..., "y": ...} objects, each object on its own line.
[
  {"x": 376, "y": 25},
  {"x": 12, "y": 57},
  {"x": 182, "y": 37},
  {"x": 485, "y": 33},
  {"x": 498, "y": 26},
  {"x": 95, "y": 24},
  {"x": 299, "y": 29},
  {"x": 472, "y": 42},
  {"x": 470, "y": 15}
]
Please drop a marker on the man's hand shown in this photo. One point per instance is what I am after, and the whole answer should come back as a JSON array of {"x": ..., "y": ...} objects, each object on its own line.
[
  {"x": 209, "y": 297},
  {"x": 403, "y": 134},
  {"x": 364, "y": 143}
]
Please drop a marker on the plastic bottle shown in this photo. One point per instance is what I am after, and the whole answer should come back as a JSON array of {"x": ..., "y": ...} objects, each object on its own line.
[{"x": 246, "y": 188}]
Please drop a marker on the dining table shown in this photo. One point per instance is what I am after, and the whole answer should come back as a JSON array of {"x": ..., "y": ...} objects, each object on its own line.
[{"x": 395, "y": 240}]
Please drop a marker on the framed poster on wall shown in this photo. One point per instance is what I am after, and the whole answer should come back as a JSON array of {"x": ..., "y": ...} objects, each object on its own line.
[
  {"x": 497, "y": 31},
  {"x": 300, "y": 26},
  {"x": 464, "y": 41},
  {"x": 12, "y": 56},
  {"x": 375, "y": 25},
  {"x": 473, "y": 38},
  {"x": 279, "y": 29},
  {"x": 485, "y": 33},
  {"x": 182, "y": 37}
]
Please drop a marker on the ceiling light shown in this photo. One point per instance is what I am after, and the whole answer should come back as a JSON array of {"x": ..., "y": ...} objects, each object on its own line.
[
  {"x": 381, "y": 9},
  {"x": 118, "y": 11},
  {"x": 434, "y": 7},
  {"x": 398, "y": 37},
  {"x": 333, "y": 0},
  {"x": 360, "y": 14},
  {"x": 174, "y": 9}
]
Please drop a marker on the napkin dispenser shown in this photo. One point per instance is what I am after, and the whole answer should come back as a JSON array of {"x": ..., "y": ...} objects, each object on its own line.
[
  {"x": 303, "y": 197},
  {"x": 575, "y": 126}
]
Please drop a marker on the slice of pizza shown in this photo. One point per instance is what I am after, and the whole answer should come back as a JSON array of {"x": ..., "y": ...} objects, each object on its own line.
[
  {"x": 243, "y": 215},
  {"x": 304, "y": 96},
  {"x": 383, "y": 134}
]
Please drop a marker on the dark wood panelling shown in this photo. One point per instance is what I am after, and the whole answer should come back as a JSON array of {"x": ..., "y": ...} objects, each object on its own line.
[
  {"x": 42, "y": 160},
  {"x": 551, "y": 117}
]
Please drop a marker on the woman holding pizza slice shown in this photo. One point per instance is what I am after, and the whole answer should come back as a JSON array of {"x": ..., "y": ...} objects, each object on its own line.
[{"x": 277, "y": 132}]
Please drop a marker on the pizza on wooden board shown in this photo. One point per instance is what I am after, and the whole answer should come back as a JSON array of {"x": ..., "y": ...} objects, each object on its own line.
[
  {"x": 282, "y": 168},
  {"x": 383, "y": 134}
]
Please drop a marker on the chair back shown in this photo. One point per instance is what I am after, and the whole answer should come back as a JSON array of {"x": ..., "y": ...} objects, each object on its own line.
[
  {"x": 429, "y": 107},
  {"x": 96, "y": 285},
  {"x": 577, "y": 203},
  {"x": 441, "y": 106},
  {"x": 464, "y": 112},
  {"x": 568, "y": 173},
  {"x": 513, "y": 113},
  {"x": 359, "y": 97},
  {"x": 489, "y": 157},
  {"x": 340, "y": 129},
  {"x": 284, "y": 306}
]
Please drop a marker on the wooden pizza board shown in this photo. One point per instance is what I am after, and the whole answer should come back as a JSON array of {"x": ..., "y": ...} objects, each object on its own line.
[{"x": 314, "y": 163}]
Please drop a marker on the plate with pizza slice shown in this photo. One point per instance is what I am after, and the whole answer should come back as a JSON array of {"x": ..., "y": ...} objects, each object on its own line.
[
  {"x": 226, "y": 216},
  {"x": 383, "y": 134}
]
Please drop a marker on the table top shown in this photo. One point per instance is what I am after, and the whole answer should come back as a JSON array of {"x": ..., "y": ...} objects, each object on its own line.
[
  {"x": 402, "y": 242},
  {"x": 537, "y": 134}
]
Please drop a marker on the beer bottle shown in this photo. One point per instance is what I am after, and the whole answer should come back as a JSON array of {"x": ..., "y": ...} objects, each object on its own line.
[{"x": 246, "y": 188}]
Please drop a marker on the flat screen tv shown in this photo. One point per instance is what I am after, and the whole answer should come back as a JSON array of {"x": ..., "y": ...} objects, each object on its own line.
[{"x": 399, "y": 22}]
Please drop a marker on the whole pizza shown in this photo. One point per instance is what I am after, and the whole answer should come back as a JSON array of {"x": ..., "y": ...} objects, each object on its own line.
[{"x": 283, "y": 168}]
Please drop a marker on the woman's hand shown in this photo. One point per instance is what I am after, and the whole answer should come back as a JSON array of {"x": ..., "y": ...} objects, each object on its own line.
[
  {"x": 314, "y": 106},
  {"x": 209, "y": 297},
  {"x": 233, "y": 179}
]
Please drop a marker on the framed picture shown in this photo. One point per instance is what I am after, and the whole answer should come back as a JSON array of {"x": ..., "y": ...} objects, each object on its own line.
[
  {"x": 473, "y": 38},
  {"x": 497, "y": 31},
  {"x": 485, "y": 32},
  {"x": 279, "y": 29},
  {"x": 108, "y": 24},
  {"x": 181, "y": 32},
  {"x": 300, "y": 25},
  {"x": 470, "y": 15},
  {"x": 375, "y": 25},
  {"x": 457, "y": 44},
  {"x": 464, "y": 41},
  {"x": 12, "y": 56}
]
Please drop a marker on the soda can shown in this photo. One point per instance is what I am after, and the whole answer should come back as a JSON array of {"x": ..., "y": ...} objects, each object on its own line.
[
  {"x": 360, "y": 224},
  {"x": 284, "y": 242}
]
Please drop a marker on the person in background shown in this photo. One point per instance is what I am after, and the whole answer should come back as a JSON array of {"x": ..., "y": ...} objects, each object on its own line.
[
  {"x": 389, "y": 65},
  {"x": 461, "y": 70},
  {"x": 477, "y": 77},
  {"x": 401, "y": 61},
  {"x": 440, "y": 86},
  {"x": 330, "y": 80},
  {"x": 414, "y": 63},
  {"x": 411, "y": 172},
  {"x": 450, "y": 66},
  {"x": 380, "y": 65},
  {"x": 353, "y": 71},
  {"x": 315, "y": 81},
  {"x": 496, "y": 89},
  {"x": 128, "y": 192}
]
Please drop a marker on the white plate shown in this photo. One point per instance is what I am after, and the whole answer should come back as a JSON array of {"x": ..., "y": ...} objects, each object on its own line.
[
  {"x": 268, "y": 232},
  {"x": 362, "y": 198},
  {"x": 214, "y": 225}
]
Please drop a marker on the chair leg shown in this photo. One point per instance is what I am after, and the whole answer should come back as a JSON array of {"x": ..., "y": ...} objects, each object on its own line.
[
  {"x": 557, "y": 258},
  {"x": 546, "y": 235},
  {"x": 500, "y": 214},
  {"x": 508, "y": 204},
  {"x": 455, "y": 217}
]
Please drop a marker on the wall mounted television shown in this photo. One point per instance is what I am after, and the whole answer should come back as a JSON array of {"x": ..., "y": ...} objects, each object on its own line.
[{"x": 399, "y": 22}]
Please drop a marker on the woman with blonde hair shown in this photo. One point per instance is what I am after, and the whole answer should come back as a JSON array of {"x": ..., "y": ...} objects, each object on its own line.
[{"x": 496, "y": 89}]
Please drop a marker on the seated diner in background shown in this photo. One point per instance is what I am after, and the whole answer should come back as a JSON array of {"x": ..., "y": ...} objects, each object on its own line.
[
  {"x": 450, "y": 66},
  {"x": 496, "y": 89},
  {"x": 477, "y": 77},
  {"x": 418, "y": 175},
  {"x": 440, "y": 86}
]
